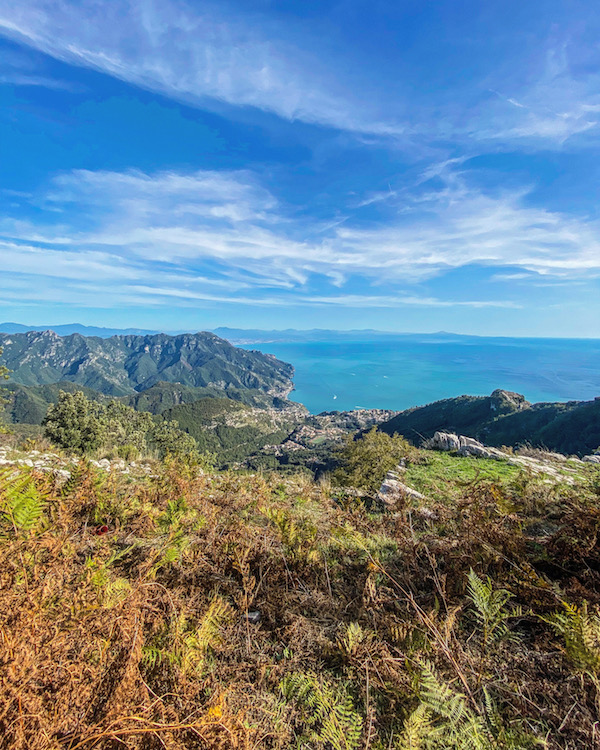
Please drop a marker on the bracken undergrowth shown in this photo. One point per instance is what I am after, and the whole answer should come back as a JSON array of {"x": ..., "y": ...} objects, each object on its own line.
[{"x": 190, "y": 610}]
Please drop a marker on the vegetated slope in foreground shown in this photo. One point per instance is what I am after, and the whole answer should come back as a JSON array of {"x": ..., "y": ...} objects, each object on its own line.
[
  {"x": 505, "y": 418},
  {"x": 121, "y": 365},
  {"x": 237, "y": 611}
]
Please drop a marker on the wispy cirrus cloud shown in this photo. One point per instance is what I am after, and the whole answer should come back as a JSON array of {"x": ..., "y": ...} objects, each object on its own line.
[
  {"x": 192, "y": 55},
  {"x": 560, "y": 102},
  {"x": 223, "y": 237},
  {"x": 21, "y": 79},
  {"x": 393, "y": 301},
  {"x": 204, "y": 56}
]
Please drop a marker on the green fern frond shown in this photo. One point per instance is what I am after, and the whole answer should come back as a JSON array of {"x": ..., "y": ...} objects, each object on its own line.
[
  {"x": 170, "y": 520},
  {"x": 196, "y": 646},
  {"x": 84, "y": 478},
  {"x": 445, "y": 720},
  {"x": 581, "y": 631},
  {"x": 22, "y": 504},
  {"x": 116, "y": 591},
  {"x": 327, "y": 711},
  {"x": 354, "y": 636},
  {"x": 173, "y": 548},
  {"x": 417, "y": 730},
  {"x": 489, "y": 606},
  {"x": 440, "y": 698},
  {"x": 153, "y": 656},
  {"x": 454, "y": 724}
]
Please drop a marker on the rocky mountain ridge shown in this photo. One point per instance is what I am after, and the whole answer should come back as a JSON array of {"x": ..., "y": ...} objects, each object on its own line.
[
  {"x": 505, "y": 418},
  {"x": 123, "y": 365}
]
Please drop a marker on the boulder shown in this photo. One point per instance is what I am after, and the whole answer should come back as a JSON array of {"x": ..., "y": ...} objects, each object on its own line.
[
  {"x": 463, "y": 446},
  {"x": 594, "y": 459},
  {"x": 445, "y": 441},
  {"x": 508, "y": 401},
  {"x": 467, "y": 442},
  {"x": 482, "y": 451},
  {"x": 392, "y": 490}
]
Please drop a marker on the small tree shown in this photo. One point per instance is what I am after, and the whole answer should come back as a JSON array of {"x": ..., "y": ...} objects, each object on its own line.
[
  {"x": 75, "y": 423},
  {"x": 126, "y": 430},
  {"x": 365, "y": 462},
  {"x": 80, "y": 425},
  {"x": 171, "y": 441}
]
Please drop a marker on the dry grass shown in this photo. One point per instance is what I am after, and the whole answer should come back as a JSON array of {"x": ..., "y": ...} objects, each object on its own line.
[{"x": 138, "y": 637}]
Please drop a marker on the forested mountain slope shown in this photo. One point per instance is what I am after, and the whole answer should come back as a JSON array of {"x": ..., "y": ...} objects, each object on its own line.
[{"x": 122, "y": 365}]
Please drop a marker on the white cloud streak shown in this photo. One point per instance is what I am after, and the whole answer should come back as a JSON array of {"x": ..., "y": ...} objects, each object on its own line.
[
  {"x": 559, "y": 102},
  {"x": 167, "y": 47},
  {"x": 170, "y": 47},
  {"x": 222, "y": 237}
]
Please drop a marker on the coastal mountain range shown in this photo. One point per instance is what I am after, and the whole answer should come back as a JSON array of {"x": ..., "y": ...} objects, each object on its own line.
[
  {"x": 232, "y": 401},
  {"x": 235, "y": 402},
  {"x": 67, "y": 329},
  {"x": 242, "y": 336},
  {"x": 123, "y": 365}
]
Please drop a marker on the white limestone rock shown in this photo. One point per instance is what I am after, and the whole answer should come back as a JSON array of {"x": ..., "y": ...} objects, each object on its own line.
[
  {"x": 445, "y": 441},
  {"x": 392, "y": 490},
  {"x": 464, "y": 446}
]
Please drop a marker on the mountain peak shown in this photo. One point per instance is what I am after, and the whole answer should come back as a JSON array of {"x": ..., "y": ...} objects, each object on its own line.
[{"x": 121, "y": 365}]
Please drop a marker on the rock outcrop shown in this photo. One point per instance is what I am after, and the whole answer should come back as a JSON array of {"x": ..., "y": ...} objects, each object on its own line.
[
  {"x": 393, "y": 490},
  {"x": 593, "y": 459},
  {"x": 61, "y": 466},
  {"x": 464, "y": 446}
]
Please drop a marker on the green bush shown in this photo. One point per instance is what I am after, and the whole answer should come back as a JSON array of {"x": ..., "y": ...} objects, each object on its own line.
[
  {"x": 75, "y": 423},
  {"x": 171, "y": 441},
  {"x": 363, "y": 463},
  {"x": 83, "y": 426}
]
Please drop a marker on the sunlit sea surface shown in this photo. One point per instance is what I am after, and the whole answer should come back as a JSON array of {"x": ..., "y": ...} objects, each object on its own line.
[{"x": 397, "y": 374}]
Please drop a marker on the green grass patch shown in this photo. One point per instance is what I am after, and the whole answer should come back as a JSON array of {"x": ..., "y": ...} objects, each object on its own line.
[{"x": 445, "y": 476}]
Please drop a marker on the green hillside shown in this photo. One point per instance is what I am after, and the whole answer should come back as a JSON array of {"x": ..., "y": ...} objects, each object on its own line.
[
  {"x": 566, "y": 428},
  {"x": 29, "y": 404},
  {"x": 165, "y": 395},
  {"x": 465, "y": 415},
  {"x": 505, "y": 418},
  {"x": 230, "y": 429}
]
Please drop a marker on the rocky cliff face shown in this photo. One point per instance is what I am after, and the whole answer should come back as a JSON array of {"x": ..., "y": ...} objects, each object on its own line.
[
  {"x": 122, "y": 365},
  {"x": 507, "y": 402}
]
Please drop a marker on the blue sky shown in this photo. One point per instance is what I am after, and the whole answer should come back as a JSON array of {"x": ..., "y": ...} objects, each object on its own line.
[{"x": 410, "y": 166}]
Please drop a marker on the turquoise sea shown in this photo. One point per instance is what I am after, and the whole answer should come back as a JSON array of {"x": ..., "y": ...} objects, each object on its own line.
[{"x": 397, "y": 372}]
